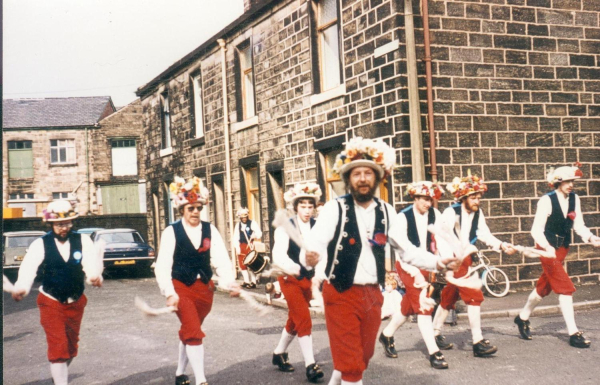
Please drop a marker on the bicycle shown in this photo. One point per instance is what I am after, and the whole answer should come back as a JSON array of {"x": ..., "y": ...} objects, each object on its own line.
[{"x": 494, "y": 279}]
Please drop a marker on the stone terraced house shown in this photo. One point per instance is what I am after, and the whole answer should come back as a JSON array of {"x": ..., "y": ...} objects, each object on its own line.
[{"x": 269, "y": 100}]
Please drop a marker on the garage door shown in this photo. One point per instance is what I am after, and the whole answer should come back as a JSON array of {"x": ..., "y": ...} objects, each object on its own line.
[{"x": 120, "y": 199}]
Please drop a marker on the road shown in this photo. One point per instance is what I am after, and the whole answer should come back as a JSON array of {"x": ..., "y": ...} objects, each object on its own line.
[{"x": 119, "y": 346}]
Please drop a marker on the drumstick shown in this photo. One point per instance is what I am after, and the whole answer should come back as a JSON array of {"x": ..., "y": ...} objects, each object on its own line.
[
  {"x": 531, "y": 252},
  {"x": 449, "y": 238},
  {"x": 149, "y": 310},
  {"x": 7, "y": 286},
  {"x": 282, "y": 220}
]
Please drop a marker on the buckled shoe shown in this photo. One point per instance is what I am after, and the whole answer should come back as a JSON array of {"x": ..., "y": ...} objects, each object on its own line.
[
  {"x": 524, "y": 328},
  {"x": 578, "y": 340},
  {"x": 314, "y": 373},
  {"x": 442, "y": 344},
  {"x": 388, "y": 346},
  {"x": 182, "y": 380},
  {"x": 282, "y": 361},
  {"x": 438, "y": 361},
  {"x": 483, "y": 349}
]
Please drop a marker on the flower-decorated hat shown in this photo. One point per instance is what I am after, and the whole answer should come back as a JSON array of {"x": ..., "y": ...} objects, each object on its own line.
[
  {"x": 192, "y": 191},
  {"x": 465, "y": 186},
  {"x": 425, "y": 188},
  {"x": 59, "y": 211},
  {"x": 243, "y": 212},
  {"x": 303, "y": 190},
  {"x": 563, "y": 174},
  {"x": 365, "y": 152}
]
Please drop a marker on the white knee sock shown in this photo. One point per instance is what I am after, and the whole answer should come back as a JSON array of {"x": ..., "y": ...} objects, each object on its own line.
[
  {"x": 195, "y": 354},
  {"x": 532, "y": 301},
  {"x": 566, "y": 306},
  {"x": 336, "y": 378},
  {"x": 245, "y": 275},
  {"x": 182, "y": 360},
  {"x": 352, "y": 383},
  {"x": 252, "y": 277},
  {"x": 397, "y": 320},
  {"x": 60, "y": 373},
  {"x": 425, "y": 324},
  {"x": 284, "y": 342},
  {"x": 474, "y": 313},
  {"x": 438, "y": 320},
  {"x": 306, "y": 346}
]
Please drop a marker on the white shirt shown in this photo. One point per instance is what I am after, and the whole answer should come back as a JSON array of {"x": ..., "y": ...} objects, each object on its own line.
[
  {"x": 450, "y": 219},
  {"x": 256, "y": 234},
  {"x": 366, "y": 271},
  {"x": 219, "y": 257},
  {"x": 544, "y": 209},
  {"x": 90, "y": 262},
  {"x": 280, "y": 248}
]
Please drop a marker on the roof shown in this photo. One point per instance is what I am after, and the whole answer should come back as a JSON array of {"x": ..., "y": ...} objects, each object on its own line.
[
  {"x": 55, "y": 112},
  {"x": 258, "y": 9}
]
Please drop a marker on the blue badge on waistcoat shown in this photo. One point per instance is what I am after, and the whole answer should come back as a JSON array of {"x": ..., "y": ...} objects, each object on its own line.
[{"x": 77, "y": 256}]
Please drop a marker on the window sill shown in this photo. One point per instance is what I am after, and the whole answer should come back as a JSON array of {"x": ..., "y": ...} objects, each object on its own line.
[
  {"x": 63, "y": 164},
  {"x": 250, "y": 122},
  {"x": 12, "y": 178},
  {"x": 197, "y": 141},
  {"x": 328, "y": 95},
  {"x": 387, "y": 48},
  {"x": 165, "y": 152}
]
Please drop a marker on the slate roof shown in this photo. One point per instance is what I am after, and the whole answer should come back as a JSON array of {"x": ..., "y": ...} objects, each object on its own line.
[{"x": 55, "y": 112}]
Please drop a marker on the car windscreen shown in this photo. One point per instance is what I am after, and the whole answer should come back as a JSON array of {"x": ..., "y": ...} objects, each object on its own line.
[
  {"x": 23, "y": 241},
  {"x": 120, "y": 238}
]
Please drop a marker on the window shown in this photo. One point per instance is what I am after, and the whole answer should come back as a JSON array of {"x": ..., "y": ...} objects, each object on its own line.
[
  {"x": 60, "y": 195},
  {"x": 20, "y": 196},
  {"x": 197, "y": 103},
  {"x": 169, "y": 206},
  {"x": 62, "y": 151},
  {"x": 219, "y": 205},
  {"x": 328, "y": 45},
  {"x": 20, "y": 159},
  {"x": 333, "y": 182},
  {"x": 246, "y": 80},
  {"x": 165, "y": 118},
  {"x": 252, "y": 194},
  {"x": 124, "y": 157}
]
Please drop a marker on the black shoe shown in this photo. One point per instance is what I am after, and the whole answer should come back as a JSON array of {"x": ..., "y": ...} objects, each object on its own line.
[
  {"x": 442, "y": 344},
  {"x": 314, "y": 373},
  {"x": 252, "y": 286},
  {"x": 182, "y": 380},
  {"x": 577, "y": 340},
  {"x": 483, "y": 349},
  {"x": 524, "y": 328},
  {"x": 246, "y": 285},
  {"x": 282, "y": 361},
  {"x": 388, "y": 346},
  {"x": 438, "y": 361}
]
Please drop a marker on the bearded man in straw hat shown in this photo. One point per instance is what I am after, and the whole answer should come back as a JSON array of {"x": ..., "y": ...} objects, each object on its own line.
[
  {"x": 465, "y": 220},
  {"x": 413, "y": 223},
  {"x": 297, "y": 288},
  {"x": 66, "y": 258},
  {"x": 246, "y": 232},
  {"x": 189, "y": 249},
  {"x": 557, "y": 213},
  {"x": 350, "y": 240}
]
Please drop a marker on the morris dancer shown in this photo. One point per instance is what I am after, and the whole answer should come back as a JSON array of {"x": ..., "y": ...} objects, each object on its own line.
[
  {"x": 557, "y": 213},
  {"x": 350, "y": 239},
  {"x": 188, "y": 250},
  {"x": 66, "y": 258},
  {"x": 246, "y": 232},
  {"x": 467, "y": 222},
  {"x": 413, "y": 222},
  {"x": 297, "y": 288}
]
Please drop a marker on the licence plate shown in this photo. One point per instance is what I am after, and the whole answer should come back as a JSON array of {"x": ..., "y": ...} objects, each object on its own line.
[
  {"x": 130, "y": 262},
  {"x": 19, "y": 257}
]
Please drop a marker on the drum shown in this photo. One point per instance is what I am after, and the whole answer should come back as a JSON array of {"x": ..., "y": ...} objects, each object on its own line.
[{"x": 255, "y": 262}]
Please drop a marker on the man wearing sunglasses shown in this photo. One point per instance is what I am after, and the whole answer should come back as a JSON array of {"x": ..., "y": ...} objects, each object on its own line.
[
  {"x": 189, "y": 249},
  {"x": 66, "y": 258}
]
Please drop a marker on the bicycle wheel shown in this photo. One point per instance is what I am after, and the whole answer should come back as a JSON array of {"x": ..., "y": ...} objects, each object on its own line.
[{"x": 496, "y": 282}]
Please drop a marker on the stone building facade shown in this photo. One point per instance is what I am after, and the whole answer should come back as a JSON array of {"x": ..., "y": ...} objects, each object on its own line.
[{"x": 516, "y": 87}]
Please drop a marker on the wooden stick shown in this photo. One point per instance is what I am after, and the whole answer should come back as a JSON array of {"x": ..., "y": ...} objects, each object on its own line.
[
  {"x": 531, "y": 252},
  {"x": 149, "y": 310},
  {"x": 261, "y": 309},
  {"x": 283, "y": 220}
]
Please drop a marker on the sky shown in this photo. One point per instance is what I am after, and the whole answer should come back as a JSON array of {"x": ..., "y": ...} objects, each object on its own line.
[{"x": 65, "y": 48}]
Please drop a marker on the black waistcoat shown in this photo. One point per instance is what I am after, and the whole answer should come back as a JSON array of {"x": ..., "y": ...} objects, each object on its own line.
[
  {"x": 188, "y": 262},
  {"x": 245, "y": 228},
  {"x": 558, "y": 228},
  {"x": 344, "y": 249},
  {"x": 63, "y": 280},
  {"x": 413, "y": 233},
  {"x": 473, "y": 233},
  {"x": 294, "y": 254}
]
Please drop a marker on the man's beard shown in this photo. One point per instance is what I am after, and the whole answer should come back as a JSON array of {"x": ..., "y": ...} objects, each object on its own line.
[
  {"x": 361, "y": 198},
  {"x": 61, "y": 238},
  {"x": 471, "y": 208}
]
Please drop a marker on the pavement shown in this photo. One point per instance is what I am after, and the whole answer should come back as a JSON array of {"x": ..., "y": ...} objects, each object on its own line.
[{"x": 586, "y": 297}]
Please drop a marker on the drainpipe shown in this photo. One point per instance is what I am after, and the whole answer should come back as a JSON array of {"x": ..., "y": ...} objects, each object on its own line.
[
  {"x": 416, "y": 134},
  {"x": 430, "y": 120},
  {"x": 223, "y": 46},
  {"x": 87, "y": 172}
]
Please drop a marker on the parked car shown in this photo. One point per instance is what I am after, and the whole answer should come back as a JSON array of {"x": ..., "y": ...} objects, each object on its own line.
[
  {"x": 124, "y": 248},
  {"x": 89, "y": 230},
  {"x": 15, "y": 245}
]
